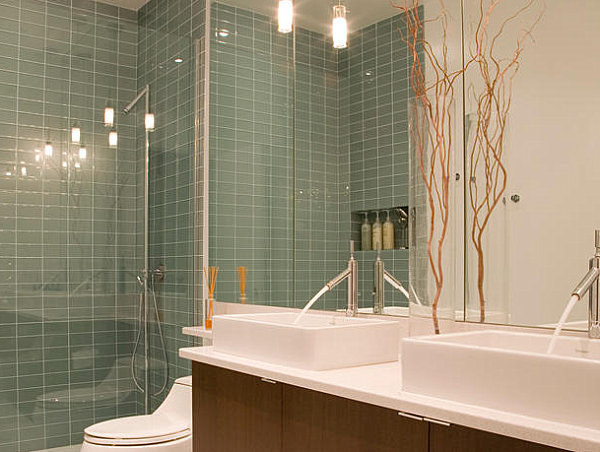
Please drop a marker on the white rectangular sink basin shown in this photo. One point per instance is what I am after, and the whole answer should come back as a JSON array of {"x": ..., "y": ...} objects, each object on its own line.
[
  {"x": 509, "y": 372},
  {"x": 318, "y": 342}
]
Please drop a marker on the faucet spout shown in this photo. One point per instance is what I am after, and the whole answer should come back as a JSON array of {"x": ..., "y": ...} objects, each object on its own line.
[
  {"x": 380, "y": 277},
  {"x": 338, "y": 279},
  {"x": 589, "y": 284},
  {"x": 351, "y": 274},
  {"x": 352, "y": 308},
  {"x": 395, "y": 284},
  {"x": 586, "y": 283}
]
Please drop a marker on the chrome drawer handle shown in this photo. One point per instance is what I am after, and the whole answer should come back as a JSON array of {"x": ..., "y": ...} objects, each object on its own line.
[
  {"x": 437, "y": 421},
  {"x": 409, "y": 416},
  {"x": 267, "y": 380}
]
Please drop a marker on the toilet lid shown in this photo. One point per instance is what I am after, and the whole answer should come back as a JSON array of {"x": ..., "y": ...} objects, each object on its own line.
[{"x": 137, "y": 430}]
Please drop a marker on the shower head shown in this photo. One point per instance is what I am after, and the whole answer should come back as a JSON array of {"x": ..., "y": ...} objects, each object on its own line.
[{"x": 132, "y": 104}]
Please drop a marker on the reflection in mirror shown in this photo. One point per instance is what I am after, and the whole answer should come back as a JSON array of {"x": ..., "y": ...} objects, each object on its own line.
[
  {"x": 251, "y": 155},
  {"x": 433, "y": 35},
  {"x": 305, "y": 142},
  {"x": 530, "y": 191}
]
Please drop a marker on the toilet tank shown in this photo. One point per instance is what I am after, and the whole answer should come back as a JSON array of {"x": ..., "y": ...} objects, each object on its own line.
[{"x": 178, "y": 404}]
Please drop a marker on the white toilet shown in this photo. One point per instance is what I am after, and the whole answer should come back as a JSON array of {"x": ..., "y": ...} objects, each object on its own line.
[{"x": 168, "y": 429}]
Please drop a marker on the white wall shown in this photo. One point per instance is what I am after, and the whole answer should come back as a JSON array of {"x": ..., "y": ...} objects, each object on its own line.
[{"x": 553, "y": 162}]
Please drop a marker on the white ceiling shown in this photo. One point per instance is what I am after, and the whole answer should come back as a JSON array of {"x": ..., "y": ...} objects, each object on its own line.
[{"x": 311, "y": 14}]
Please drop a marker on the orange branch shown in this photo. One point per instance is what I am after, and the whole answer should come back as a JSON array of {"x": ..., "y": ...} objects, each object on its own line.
[
  {"x": 431, "y": 130},
  {"x": 487, "y": 169}
]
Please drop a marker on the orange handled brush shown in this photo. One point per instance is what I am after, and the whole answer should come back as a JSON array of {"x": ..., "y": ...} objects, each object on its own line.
[
  {"x": 242, "y": 271},
  {"x": 210, "y": 279}
]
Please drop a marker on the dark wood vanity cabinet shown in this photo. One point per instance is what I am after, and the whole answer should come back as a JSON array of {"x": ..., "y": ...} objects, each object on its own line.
[
  {"x": 318, "y": 422},
  {"x": 236, "y": 412},
  {"x": 457, "y": 438}
]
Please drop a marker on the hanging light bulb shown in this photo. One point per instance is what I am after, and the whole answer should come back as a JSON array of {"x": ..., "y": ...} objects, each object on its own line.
[
  {"x": 75, "y": 135},
  {"x": 149, "y": 121},
  {"x": 109, "y": 116},
  {"x": 339, "y": 27},
  {"x": 113, "y": 138},
  {"x": 285, "y": 16},
  {"x": 48, "y": 149},
  {"x": 82, "y": 153}
]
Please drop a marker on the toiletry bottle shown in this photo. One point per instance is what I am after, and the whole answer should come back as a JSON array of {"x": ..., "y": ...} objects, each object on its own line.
[
  {"x": 388, "y": 233},
  {"x": 377, "y": 233},
  {"x": 403, "y": 227},
  {"x": 365, "y": 233}
]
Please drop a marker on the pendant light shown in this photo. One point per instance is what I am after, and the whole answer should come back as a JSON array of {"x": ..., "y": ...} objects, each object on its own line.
[
  {"x": 339, "y": 27},
  {"x": 109, "y": 116},
  {"x": 285, "y": 16},
  {"x": 113, "y": 139},
  {"x": 149, "y": 121},
  {"x": 75, "y": 135}
]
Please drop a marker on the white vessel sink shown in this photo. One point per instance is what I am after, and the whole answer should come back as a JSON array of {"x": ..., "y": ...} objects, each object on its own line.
[
  {"x": 318, "y": 342},
  {"x": 508, "y": 372}
]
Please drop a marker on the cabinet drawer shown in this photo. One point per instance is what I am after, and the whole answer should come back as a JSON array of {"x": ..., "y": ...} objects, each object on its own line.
[
  {"x": 314, "y": 421},
  {"x": 234, "y": 412},
  {"x": 464, "y": 439}
]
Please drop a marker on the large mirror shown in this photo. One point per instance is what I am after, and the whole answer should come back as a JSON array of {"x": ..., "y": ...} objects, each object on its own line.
[
  {"x": 529, "y": 236},
  {"x": 457, "y": 121},
  {"x": 308, "y": 144}
]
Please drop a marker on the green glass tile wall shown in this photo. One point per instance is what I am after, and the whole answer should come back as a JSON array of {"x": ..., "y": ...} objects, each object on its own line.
[
  {"x": 375, "y": 68},
  {"x": 321, "y": 242},
  {"x": 351, "y": 153},
  {"x": 348, "y": 114},
  {"x": 251, "y": 155},
  {"x": 168, "y": 35},
  {"x": 69, "y": 222}
]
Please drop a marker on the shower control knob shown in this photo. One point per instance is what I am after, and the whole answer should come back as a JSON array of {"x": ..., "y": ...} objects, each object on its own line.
[{"x": 515, "y": 198}]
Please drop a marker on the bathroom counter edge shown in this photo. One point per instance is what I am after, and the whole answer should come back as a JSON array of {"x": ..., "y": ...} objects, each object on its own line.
[
  {"x": 197, "y": 331},
  {"x": 380, "y": 385}
]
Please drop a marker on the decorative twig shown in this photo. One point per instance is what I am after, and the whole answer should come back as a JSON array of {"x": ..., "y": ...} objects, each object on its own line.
[
  {"x": 431, "y": 125},
  {"x": 487, "y": 172},
  {"x": 431, "y": 128}
]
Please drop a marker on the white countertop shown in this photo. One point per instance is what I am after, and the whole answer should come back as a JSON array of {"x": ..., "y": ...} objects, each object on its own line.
[
  {"x": 380, "y": 385},
  {"x": 197, "y": 331}
]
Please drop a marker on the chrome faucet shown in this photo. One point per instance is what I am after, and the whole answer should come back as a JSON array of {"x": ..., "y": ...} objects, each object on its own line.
[
  {"x": 351, "y": 274},
  {"x": 589, "y": 283},
  {"x": 380, "y": 277}
]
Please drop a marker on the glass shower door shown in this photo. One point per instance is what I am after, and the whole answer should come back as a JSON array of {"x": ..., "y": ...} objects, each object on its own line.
[{"x": 69, "y": 222}]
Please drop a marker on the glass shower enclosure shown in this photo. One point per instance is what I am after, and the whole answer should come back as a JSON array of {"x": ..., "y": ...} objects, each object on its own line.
[{"x": 89, "y": 205}]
